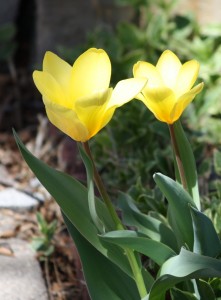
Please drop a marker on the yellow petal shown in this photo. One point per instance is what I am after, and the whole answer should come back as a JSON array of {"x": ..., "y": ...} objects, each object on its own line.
[
  {"x": 49, "y": 88},
  {"x": 184, "y": 101},
  {"x": 93, "y": 112},
  {"x": 59, "y": 69},
  {"x": 146, "y": 70},
  {"x": 169, "y": 66},
  {"x": 186, "y": 78},
  {"x": 91, "y": 73},
  {"x": 161, "y": 102},
  {"x": 125, "y": 91},
  {"x": 67, "y": 121},
  {"x": 140, "y": 97}
]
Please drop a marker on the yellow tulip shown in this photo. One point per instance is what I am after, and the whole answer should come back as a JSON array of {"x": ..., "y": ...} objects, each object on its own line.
[
  {"x": 78, "y": 99},
  {"x": 169, "y": 87}
]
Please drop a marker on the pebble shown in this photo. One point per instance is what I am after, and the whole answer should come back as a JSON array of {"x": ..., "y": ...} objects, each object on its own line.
[{"x": 16, "y": 200}]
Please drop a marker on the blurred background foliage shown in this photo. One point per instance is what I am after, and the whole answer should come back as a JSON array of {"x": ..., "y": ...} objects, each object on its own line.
[{"x": 135, "y": 145}]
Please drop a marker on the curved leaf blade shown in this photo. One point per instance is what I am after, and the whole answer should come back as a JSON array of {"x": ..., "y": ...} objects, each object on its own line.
[
  {"x": 182, "y": 295},
  {"x": 71, "y": 196},
  {"x": 206, "y": 240},
  {"x": 104, "y": 279},
  {"x": 151, "y": 227},
  {"x": 188, "y": 161},
  {"x": 186, "y": 265},
  {"x": 179, "y": 201},
  {"x": 90, "y": 185},
  {"x": 155, "y": 250}
]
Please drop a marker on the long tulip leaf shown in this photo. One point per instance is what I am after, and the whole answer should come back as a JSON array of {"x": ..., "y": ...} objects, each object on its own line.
[
  {"x": 151, "y": 227},
  {"x": 155, "y": 250},
  {"x": 71, "y": 196},
  {"x": 188, "y": 161},
  {"x": 179, "y": 201},
  {"x": 206, "y": 240},
  {"x": 90, "y": 185},
  {"x": 186, "y": 265},
  {"x": 104, "y": 279}
]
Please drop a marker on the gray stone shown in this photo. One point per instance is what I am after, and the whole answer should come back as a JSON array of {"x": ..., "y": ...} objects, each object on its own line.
[
  {"x": 20, "y": 276},
  {"x": 16, "y": 200}
]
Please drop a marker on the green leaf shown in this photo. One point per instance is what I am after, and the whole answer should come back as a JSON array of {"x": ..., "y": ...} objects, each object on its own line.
[
  {"x": 205, "y": 290},
  {"x": 104, "y": 279},
  {"x": 186, "y": 265},
  {"x": 179, "y": 201},
  {"x": 188, "y": 161},
  {"x": 157, "y": 251},
  {"x": 151, "y": 227},
  {"x": 90, "y": 185},
  {"x": 71, "y": 196},
  {"x": 206, "y": 240},
  {"x": 217, "y": 162},
  {"x": 177, "y": 294}
]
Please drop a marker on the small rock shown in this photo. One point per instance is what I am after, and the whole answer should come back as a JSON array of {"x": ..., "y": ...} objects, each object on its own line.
[
  {"x": 13, "y": 199},
  {"x": 20, "y": 276},
  {"x": 7, "y": 223}
]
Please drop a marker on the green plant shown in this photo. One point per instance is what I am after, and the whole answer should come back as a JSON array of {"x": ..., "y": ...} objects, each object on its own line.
[{"x": 43, "y": 243}]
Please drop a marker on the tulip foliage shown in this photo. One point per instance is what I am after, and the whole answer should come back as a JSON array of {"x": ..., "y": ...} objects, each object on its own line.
[{"x": 135, "y": 256}]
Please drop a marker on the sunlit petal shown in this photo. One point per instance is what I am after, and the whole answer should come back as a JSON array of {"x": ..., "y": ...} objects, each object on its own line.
[
  {"x": 186, "y": 77},
  {"x": 125, "y": 91},
  {"x": 92, "y": 111},
  {"x": 49, "y": 88},
  {"x": 148, "y": 71},
  {"x": 184, "y": 101},
  {"x": 67, "y": 121},
  {"x": 140, "y": 96},
  {"x": 160, "y": 101},
  {"x": 169, "y": 66},
  {"x": 59, "y": 69},
  {"x": 91, "y": 73}
]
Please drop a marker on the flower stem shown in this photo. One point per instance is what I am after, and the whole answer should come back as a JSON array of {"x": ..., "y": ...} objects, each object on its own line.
[
  {"x": 102, "y": 190},
  {"x": 177, "y": 156},
  {"x": 119, "y": 226},
  {"x": 138, "y": 277}
]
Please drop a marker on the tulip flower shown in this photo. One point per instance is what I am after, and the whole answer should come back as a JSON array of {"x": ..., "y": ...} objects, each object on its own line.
[
  {"x": 169, "y": 87},
  {"x": 78, "y": 99}
]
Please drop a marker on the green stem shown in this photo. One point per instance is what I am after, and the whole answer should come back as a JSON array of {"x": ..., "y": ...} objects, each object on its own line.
[
  {"x": 102, "y": 190},
  {"x": 177, "y": 156},
  {"x": 138, "y": 277},
  {"x": 119, "y": 226}
]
